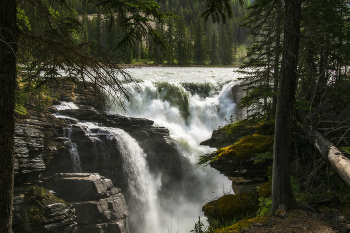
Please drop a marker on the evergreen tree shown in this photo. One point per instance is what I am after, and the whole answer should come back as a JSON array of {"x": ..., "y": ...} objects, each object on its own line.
[
  {"x": 48, "y": 44},
  {"x": 263, "y": 58},
  {"x": 226, "y": 50},
  {"x": 8, "y": 50},
  {"x": 214, "y": 50},
  {"x": 199, "y": 42},
  {"x": 282, "y": 193},
  {"x": 170, "y": 40},
  {"x": 182, "y": 43}
]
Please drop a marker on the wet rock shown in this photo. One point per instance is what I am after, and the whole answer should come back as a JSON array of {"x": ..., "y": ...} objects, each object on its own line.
[
  {"x": 28, "y": 148},
  {"x": 237, "y": 94},
  {"x": 243, "y": 185}
]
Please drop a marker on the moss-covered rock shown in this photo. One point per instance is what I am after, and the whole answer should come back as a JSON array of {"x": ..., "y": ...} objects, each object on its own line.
[
  {"x": 265, "y": 128},
  {"x": 249, "y": 126},
  {"x": 37, "y": 198},
  {"x": 246, "y": 148},
  {"x": 37, "y": 210},
  {"x": 265, "y": 189},
  {"x": 241, "y": 225},
  {"x": 231, "y": 207}
]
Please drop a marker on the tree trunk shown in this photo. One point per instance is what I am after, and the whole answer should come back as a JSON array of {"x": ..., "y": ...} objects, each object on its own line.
[
  {"x": 277, "y": 56},
  {"x": 281, "y": 185},
  {"x": 8, "y": 49}
]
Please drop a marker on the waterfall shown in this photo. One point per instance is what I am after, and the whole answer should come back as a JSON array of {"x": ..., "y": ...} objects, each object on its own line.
[
  {"x": 73, "y": 151},
  {"x": 191, "y": 103},
  {"x": 141, "y": 185}
]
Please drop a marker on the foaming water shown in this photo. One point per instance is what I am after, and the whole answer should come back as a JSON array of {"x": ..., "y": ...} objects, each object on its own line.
[
  {"x": 142, "y": 186},
  {"x": 191, "y": 103}
]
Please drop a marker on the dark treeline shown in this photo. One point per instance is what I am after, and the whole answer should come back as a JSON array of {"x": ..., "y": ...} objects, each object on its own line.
[{"x": 190, "y": 39}]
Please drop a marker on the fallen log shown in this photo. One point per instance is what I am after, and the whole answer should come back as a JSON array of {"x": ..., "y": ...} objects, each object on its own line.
[{"x": 336, "y": 158}]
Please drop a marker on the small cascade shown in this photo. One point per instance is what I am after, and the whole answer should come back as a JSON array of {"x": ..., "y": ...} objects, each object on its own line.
[{"x": 73, "y": 151}]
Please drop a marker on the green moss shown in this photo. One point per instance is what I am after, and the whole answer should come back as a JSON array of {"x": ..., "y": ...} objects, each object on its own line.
[
  {"x": 246, "y": 148},
  {"x": 241, "y": 225},
  {"x": 21, "y": 110},
  {"x": 238, "y": 128},
  {"x": 266, "y": 128},
  {"x": 265, "y": 189},
  {"x": 37, "y": 198},
  {"x": 249, "y": 126},
  {"x": 231, "y": 207}
]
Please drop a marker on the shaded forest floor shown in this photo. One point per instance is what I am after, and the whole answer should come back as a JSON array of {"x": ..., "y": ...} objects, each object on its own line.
[{"x": 328, "y": 220}]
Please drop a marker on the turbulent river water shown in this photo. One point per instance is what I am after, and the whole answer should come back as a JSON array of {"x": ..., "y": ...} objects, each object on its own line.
[{"x": 191, "y": 103}]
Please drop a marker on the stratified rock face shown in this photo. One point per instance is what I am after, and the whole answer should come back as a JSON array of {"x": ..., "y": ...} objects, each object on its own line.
[
  {"x": 28, "y": 147},
  {"x": 82, "y": 93},
  {"x": 56, "y": 217},
  {"x": 35, "y": 144},
  {"x": 99, "y": 206},
  {"x": 240, "y": 167}
]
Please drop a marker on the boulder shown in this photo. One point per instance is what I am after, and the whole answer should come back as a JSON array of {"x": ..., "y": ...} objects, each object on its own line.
[
  {"x": 77, "y": 187},
  {"x": 99, "y": 206},
  {"x": 231, "y": 207}
]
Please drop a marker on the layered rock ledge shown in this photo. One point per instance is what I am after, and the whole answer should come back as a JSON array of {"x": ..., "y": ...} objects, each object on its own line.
[{"x": 99, "y": 206}]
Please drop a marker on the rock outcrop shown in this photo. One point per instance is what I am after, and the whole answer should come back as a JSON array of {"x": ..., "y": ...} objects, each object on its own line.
[
  {"x": 238, "y": 161},
  {"x": 237, "y": 94},
  {"x": 99, "y": 206},
  {"x": 218, "y": 139},
  {"x": 245, "y": 175},
  {"x": 37, "y": 139},
  {"x": 35, "y": 209}
]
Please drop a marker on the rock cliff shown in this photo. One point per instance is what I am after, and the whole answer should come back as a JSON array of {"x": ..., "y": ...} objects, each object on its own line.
[{"x": 92, "y": 199}]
